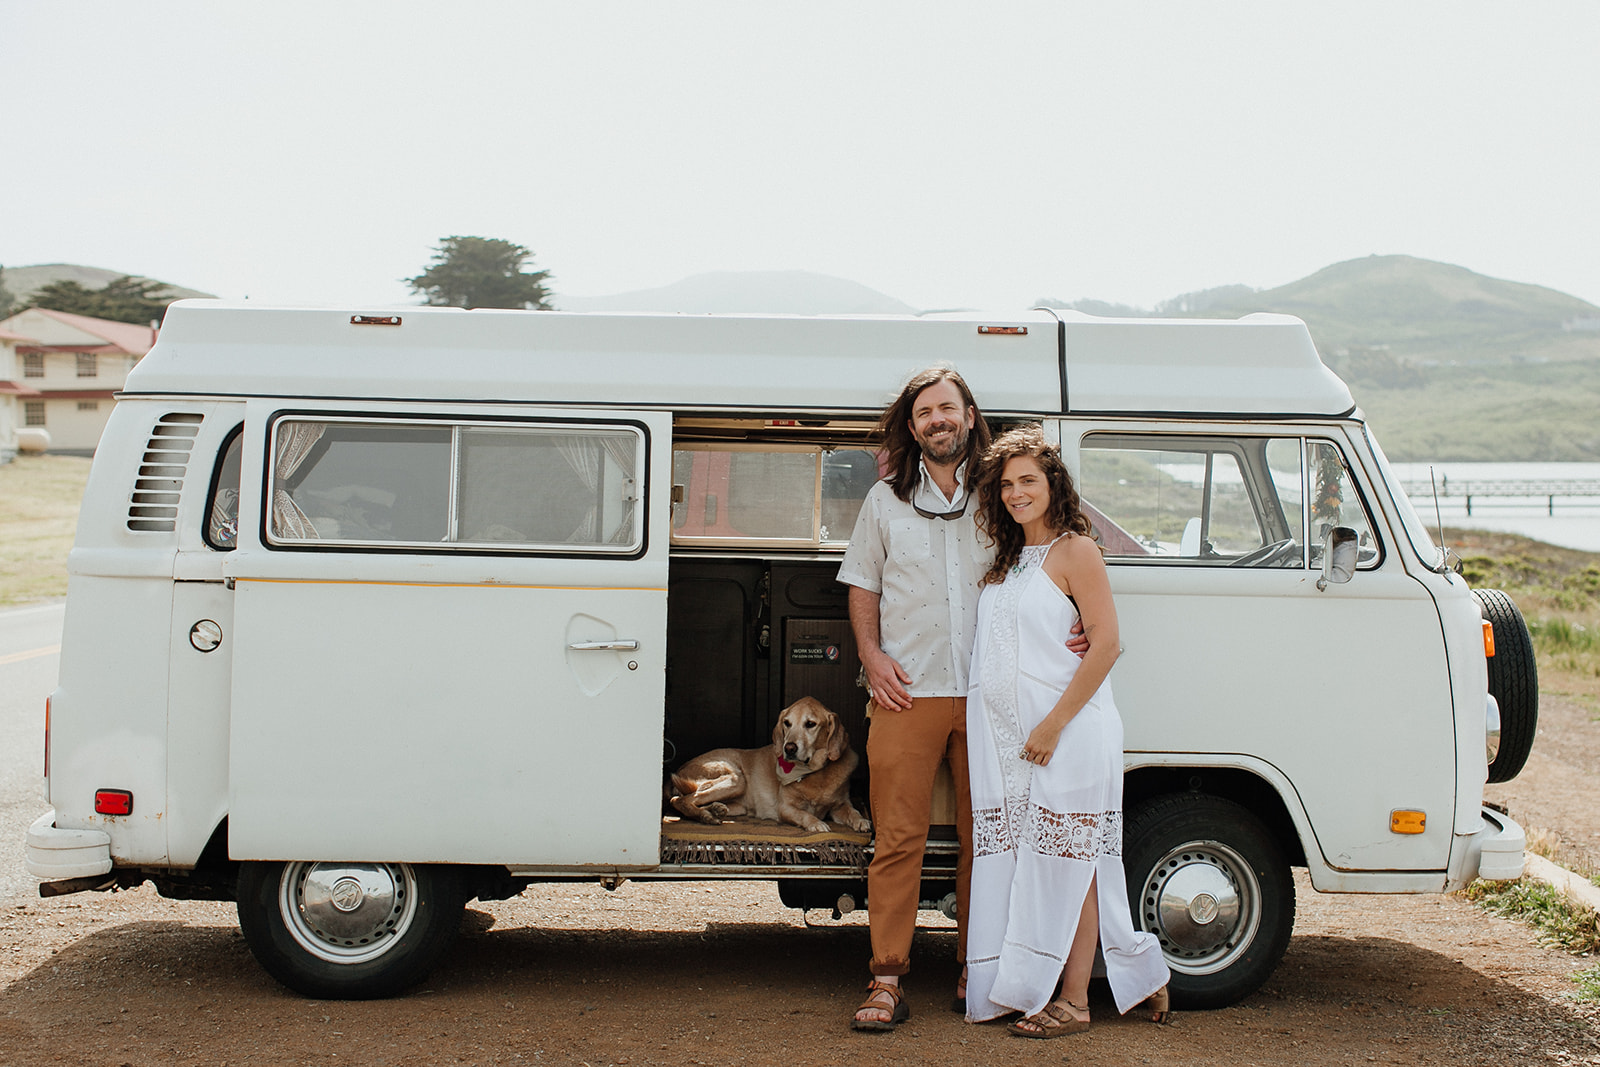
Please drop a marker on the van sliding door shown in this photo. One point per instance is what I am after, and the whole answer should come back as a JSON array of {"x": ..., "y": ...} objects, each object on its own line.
[{"x": 450, "y": 632}]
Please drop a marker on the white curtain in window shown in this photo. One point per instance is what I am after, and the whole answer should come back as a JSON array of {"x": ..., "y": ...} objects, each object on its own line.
[
  {"x": 294, "y": 444},
  {"x": 583, "y": 456},
  {"x": 620, "y": 447}
]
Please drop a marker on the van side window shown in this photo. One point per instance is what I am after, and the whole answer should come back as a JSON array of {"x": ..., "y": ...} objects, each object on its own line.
[
  {"x": 394, "y": 483},
  {"x": 1217, "y": 501},
  {"x": 222, "y": 506}
]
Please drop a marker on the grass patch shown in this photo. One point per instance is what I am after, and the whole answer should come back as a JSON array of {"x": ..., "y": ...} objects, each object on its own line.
[
  {"x": 1588, "y": 982},
  {"x": 1560, "y": 923},
  {"x": 1557, "y": 590},
  {"x": 39, "y": 497}
]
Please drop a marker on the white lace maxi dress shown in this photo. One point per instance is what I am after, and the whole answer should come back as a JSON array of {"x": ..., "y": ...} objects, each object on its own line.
[{"x": 1041, "y": 833}]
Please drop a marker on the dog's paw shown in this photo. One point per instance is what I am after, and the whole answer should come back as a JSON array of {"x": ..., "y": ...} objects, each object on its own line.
[
  {"x": 815, "y": 826},
  {"x": 861, "y": 824},
  {"x": 718, "y": 809}
]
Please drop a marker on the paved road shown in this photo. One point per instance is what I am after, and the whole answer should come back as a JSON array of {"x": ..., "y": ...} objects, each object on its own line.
[{"x": 30, "y": 647}]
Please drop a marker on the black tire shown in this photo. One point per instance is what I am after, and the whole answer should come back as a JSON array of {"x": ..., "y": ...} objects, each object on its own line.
[
  {"x": 348, "y": 931},
  {"x": 1210, "y": 881},
  {"x": 1513, "y": 682}
]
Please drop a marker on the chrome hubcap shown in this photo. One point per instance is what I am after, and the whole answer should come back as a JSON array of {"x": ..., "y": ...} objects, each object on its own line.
[
  {"x": 1203, "y": 902},
  {"x": 347, "y": 912}
]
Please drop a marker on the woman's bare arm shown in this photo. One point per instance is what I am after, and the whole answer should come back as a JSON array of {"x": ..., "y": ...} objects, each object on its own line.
[{"x": 1076, "y": 566}]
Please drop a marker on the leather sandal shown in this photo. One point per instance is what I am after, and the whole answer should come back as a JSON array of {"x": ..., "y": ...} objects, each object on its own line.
[
  {"x": 1054, "y": 1021},
  {"x": 1159, "y": 1005},
  {"x": 958, "y": 1003},
  {"x": 899, "y": 1011}
]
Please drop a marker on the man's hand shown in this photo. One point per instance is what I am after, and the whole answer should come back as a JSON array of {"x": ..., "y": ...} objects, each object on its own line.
[
  {"x": 1077, "y": 641},
  {"x": 888, "y": 681}
]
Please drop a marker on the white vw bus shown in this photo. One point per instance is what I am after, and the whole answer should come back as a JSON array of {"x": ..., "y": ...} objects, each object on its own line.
[{"x": 371, "y": 614}]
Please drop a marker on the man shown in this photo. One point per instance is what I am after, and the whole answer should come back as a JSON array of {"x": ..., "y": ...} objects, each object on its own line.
[{"x": 913, "y": 566}]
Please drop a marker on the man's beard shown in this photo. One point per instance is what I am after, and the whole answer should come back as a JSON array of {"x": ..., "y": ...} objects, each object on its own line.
[{"x": 955, "y": 446}]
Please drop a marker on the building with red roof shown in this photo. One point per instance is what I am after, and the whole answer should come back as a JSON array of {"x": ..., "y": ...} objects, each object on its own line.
[{"x": 61, "y": 372}]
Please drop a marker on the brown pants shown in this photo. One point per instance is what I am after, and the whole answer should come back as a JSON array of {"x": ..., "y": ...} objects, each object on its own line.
[{"x": 904, "y": 750}]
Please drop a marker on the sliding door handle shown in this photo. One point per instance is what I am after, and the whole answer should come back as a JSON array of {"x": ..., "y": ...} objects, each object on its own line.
[{"x": 604, "y": 646}]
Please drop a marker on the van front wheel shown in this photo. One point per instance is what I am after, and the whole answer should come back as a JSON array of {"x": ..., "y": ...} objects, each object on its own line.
[
  {"x": 348, "y": 931},
  {"x": 1208, "y": 879}
]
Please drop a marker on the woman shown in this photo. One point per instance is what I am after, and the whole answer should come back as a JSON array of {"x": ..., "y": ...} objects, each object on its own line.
[{"x": 1045, "y": 751}]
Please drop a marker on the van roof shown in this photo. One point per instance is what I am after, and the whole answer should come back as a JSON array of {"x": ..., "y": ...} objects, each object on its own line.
[{"x": 1037, "y": 362}]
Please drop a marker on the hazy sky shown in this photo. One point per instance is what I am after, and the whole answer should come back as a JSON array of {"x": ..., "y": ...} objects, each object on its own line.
[{"x": 947, "y": 154}]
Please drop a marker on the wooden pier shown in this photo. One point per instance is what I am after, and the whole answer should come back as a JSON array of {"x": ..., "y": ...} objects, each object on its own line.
[{"x": 1573, "y": 493}]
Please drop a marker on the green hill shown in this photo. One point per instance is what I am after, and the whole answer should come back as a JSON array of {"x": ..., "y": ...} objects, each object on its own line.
[
  {"x": 1447, "y": 363},
  {"x": 24, "y": 281},
  {"x": 1426, "y": 312}
]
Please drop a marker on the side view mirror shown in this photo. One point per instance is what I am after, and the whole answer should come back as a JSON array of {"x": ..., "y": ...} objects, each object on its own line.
[{"x": 1340, "y": 547}]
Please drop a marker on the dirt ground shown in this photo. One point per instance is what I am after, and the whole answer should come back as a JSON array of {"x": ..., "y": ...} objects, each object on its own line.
[
  {"x": 715, "y": 974},
  {"x": 700, "y": 974},
  {"x": 1559, "y": 790}
]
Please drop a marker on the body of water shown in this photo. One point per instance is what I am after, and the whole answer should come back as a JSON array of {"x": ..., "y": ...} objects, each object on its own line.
[{"x": 1574, "y": 524}]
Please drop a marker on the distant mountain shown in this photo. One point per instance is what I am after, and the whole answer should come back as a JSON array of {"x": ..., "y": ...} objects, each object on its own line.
[
  {"x": 1409, "y": 310},
  {"x": 1447, "y": 363},
  {"x": 1429, "y": 311},
  {"x": 783, "y": 292},
  {"x": 23, "y": 282}
]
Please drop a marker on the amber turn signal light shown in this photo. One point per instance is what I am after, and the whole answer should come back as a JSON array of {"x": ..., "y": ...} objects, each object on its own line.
[
  {"x": 1488, "y": 639},
  {"x": 1407, "y": 822},
  {"x": 113, "y": 802}
]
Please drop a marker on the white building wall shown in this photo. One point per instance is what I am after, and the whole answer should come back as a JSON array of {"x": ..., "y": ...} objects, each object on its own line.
[
  {"x": 70, "y": 427},
  {"x": 73, "y": 429},
  {"x": 10, "y": 406}
]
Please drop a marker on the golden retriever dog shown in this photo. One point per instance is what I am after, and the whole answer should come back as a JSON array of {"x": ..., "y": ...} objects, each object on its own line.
[{"x": 802, "y": 778}]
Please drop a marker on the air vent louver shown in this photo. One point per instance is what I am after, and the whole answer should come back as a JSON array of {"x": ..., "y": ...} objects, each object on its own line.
[{"x": 153, "y": 506}]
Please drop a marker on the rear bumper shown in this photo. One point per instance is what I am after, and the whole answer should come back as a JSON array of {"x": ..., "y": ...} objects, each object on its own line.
[
  {"x": 1494, "y": 852},
  {"x": 55, "y": 854}
]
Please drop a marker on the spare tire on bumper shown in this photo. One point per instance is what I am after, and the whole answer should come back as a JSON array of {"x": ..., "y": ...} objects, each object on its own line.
[{"x": 1513, "y": 682}]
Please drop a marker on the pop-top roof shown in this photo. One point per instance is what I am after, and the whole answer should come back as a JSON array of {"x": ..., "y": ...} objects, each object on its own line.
[{"x": 1258, "y": 365}]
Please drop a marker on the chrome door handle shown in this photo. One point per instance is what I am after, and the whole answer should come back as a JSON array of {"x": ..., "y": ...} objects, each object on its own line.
[{"x": 604, "y": 646}]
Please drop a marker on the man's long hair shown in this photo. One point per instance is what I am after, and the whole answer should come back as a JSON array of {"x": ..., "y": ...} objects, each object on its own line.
[
  {"x": 995, "y": 521},
  {"x": 901, "y": 451}
]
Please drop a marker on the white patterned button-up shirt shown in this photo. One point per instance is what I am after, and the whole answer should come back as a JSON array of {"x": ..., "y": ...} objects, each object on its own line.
[{"x": 925, "y": 572}]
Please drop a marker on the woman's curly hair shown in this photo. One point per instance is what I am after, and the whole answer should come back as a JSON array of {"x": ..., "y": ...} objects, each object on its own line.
[{"x": 994, "y": 518}]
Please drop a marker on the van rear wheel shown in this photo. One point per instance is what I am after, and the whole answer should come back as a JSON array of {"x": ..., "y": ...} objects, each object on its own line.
[
  {"x": 348, "y": 931},
  {"x": 1209, "y": 880}
]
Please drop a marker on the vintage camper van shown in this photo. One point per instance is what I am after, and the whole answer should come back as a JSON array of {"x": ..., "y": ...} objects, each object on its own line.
[{"x": 374, "y": 613}]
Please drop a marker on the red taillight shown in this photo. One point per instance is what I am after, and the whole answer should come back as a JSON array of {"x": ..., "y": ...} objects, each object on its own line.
[
  {"x": 113, "y": 802},
  {"x": 47, "y": 737}
]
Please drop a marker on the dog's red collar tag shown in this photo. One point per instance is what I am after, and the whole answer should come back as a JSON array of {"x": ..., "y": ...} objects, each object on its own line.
[{"x": 784, "y": 765}]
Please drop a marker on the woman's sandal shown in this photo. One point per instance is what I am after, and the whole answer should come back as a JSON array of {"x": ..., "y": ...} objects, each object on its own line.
[
  {"x": 899, "y": 1011},
  {"x": 1053, "y": 1021},
  {"x": 958, "y": 1003},
  {"x": 1159, "y": 1005}
]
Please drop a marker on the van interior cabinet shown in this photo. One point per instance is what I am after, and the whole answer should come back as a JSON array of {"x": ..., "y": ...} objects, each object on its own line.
[{"x": 745, "y": 639}]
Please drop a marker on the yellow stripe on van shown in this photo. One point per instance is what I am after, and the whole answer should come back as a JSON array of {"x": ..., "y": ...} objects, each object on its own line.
[{"x": 455, "y": 585}]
